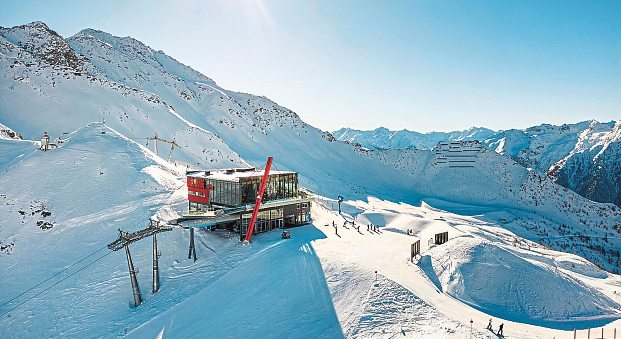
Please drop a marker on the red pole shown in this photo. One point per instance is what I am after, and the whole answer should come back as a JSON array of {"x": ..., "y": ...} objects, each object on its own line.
[{"x": 257, "y": 203}]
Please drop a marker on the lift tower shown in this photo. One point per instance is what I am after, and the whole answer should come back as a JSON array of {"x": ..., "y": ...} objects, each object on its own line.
[
  {"x": 125, "y": 239},
  {"x": 155, "y": 138}
]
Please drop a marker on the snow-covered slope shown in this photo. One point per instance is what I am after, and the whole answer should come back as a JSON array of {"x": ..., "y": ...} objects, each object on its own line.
[
  {"x": 62, "y": 205},
  {"x": 47, "y": 87},
  {"x": 484, "y": 271},
  {"x": 497, "y": 181},
  {"x": 383, "y": 138},
  {"x": 465, "y": 267},
  {"x": 582, "y": 156},
  {"x": 253, "y": 126},
  {"x": 138, "y": 92}
]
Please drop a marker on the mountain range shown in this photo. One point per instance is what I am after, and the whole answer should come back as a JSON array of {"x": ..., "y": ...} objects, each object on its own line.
[
  {"x": 101, "y": 97},
  {"x": 583, "y": 157}
]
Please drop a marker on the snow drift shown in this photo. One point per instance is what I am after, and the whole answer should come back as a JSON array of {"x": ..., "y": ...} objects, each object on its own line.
[{"x": 503, "y": 284}]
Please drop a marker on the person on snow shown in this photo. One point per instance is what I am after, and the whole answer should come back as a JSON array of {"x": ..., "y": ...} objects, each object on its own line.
[
  {"x": 489, "y": 325},
  {"x": 500, "y": 331}
]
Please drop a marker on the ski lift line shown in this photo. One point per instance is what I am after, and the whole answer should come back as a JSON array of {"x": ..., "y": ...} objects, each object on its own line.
[
  {"x": 90, "y": 151},
  {"x": 56, "y": 274},
  {"x": 58, "y": 282},
  {"x": 205, "y": 243}
]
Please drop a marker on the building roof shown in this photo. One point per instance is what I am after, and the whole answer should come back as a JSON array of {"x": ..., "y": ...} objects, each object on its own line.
[{"x": 233, "y": 174}]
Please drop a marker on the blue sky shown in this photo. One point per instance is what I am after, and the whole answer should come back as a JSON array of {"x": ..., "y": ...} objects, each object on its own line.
[{"x": 420, "y": 65}]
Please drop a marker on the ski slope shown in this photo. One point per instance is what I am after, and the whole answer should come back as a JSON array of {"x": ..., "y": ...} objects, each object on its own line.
[{"x": 438, "y": 303}]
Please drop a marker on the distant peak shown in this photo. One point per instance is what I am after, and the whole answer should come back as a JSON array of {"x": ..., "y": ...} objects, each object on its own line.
[
  {"x": 382, "y": 129},
  {"x": 36, "y": 24},
  {"x": 89, "y": 31},
  {"x": 33, "y": 26}
]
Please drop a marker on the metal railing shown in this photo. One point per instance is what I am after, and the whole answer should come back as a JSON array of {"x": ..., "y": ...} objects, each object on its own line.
[{"x": 596, "y": 333}]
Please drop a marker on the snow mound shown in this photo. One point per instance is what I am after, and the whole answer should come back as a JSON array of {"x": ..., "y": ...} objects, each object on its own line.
[
  {"x": 392, "y": 310},
  {"x": 501, "y": 283}
]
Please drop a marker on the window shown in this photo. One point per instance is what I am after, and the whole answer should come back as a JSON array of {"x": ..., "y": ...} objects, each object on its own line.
[{"x": 304, "y": 205}]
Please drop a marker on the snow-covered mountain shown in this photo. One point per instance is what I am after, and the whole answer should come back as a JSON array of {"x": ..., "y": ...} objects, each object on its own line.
[
  {"x": 498, "y": 182},
  {"x": 57, "y": 85},
  {"x": 383, "y": 138},
  {"x": 583, "y": 157},
  {"x": 139, "y": 91},
  {"x": 48, "y": 87},
  {"x": 48, "y": 83}
]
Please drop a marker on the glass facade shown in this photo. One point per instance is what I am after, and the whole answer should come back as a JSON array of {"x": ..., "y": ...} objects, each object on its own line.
[
  {"x": 225, "y": 193},
  {"x": 232, "y": 194},
  {"x": 266, "y": 221},
  {"x": 279, "y": 186}
]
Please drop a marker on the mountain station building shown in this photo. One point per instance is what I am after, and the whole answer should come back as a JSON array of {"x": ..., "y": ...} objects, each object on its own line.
[{"x": 226, "y": 198}]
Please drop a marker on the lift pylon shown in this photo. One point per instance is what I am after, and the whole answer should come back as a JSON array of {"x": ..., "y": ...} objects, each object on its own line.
[
  {"x": 155, "y": 138},
  {"x": 125, "y": 239},
  {"x": 133, "y": 277},
  {"x": 192, "y": 250},
  {"x": 156, "y": 269}
]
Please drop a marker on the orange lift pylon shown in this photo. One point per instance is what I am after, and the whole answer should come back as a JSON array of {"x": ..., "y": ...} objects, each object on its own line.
[{"x": 257, "y": 203}]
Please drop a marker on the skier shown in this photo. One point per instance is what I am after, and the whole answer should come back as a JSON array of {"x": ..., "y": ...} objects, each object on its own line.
[
  {"x": 500, "y": 332},
  {"x": 489, "y": 325}
]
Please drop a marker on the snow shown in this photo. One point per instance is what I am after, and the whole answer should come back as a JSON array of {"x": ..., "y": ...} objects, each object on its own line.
[
  {"x": 583, "y": 156},
  {"x": 235, "y": 176},
  {"x": 233, "y": 290},
  {"x": 382, "y": 138},
  {"x": 539, "y": 242},
  {"x": 497, "y": 182},
  {"x": 466, "y": 266},
  {"x": 352, "y": 258},
  {"x": 280, "y": 291}
]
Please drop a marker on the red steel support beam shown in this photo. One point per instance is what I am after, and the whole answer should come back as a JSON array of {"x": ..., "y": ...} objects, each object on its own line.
[{"x": 257, "y": 203}]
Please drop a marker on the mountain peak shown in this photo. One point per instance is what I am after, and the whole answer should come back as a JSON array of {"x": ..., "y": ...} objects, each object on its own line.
[
  {"x": 43, "y": 43},
  {"x": 35, "y": 24}
]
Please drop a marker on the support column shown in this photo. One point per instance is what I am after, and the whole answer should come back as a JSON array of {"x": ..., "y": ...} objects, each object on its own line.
[
  {"x": 134, "y": 278},
  {"x": 156, "y": 269},
  {"x": 192, "y": 251}
]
